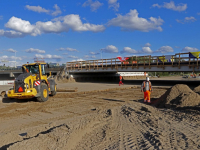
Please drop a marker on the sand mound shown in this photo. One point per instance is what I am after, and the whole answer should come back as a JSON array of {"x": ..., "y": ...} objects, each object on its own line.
[
  {"x": 179, "y": 95},
  {"x": 197, "y": 89}
]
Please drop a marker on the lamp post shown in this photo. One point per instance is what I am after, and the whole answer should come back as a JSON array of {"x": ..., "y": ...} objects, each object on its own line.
[{"x": 15, "y": 59}]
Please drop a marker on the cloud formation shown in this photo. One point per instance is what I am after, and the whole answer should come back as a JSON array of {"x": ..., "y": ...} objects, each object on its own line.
[
  {"x": 94, "y": 53},
  {"x": 165, "y": 49},
  {"x": 67, "y": 49},
  {"x": 32, "y": 50},
  {"x": 93, "y": 5},
  {"x": 88, "y": 56},
  {"x": 11, "y": 50},
  {"x": 147, "y": 45},
  {"x": 6, "y": 58},
  {"x": 186, "y": 20},
  {"x": 11, "y": 34},
  {"x": 146, "y": 50},
  {"x": 78, "y": 59},
  {"x": 48, "y": 56},
  {"x": 110, "y": 49},
  {"x": 113, "y": 4},
  {"x": 74, "y": 57},
  {"x": 39, "y": 9},
  {"x": 20, "y": 28},
  {"x": 129, "y": 50},
  {"x": 189, "y": 49},
  {"x": 171, "y": 5},
  {"x": 131, "y": 22}
]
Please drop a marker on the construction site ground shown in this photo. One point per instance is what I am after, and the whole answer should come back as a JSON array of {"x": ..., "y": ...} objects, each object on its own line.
[{"x": 102, "y": 116}]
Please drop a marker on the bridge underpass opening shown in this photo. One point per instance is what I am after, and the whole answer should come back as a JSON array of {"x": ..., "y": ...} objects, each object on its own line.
[{"x": 96, "y": 77}]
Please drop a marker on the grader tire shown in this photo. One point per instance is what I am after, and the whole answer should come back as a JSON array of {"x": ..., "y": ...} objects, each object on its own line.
[
  {"x": 54, "y": 91},
  {"x": 44, "y": 93}
]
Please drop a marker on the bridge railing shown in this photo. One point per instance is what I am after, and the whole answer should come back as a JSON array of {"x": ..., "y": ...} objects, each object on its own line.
[{"x": 135, "y": 61}]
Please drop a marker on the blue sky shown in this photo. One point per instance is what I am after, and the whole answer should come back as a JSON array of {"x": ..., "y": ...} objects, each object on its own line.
[{"x": 63, "y": 31}]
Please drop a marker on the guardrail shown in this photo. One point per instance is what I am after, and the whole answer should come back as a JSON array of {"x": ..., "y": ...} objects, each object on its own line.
[
  {"x": 177, "y": 60},
  {"x": 9, "y": 69}
]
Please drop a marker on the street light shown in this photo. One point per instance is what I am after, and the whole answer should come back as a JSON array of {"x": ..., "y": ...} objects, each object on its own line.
[{"x": 15, "y": 59}]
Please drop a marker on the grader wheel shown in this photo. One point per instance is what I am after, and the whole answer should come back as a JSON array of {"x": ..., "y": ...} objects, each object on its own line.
[{"x": 44, "y": 93}]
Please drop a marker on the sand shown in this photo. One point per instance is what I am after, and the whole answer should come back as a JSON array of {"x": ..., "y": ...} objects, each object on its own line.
[{"x": 100, "y": 116}]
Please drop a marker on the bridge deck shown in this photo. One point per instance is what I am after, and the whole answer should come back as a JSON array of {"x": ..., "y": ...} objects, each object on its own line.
[{"x": 178, "y": 62}]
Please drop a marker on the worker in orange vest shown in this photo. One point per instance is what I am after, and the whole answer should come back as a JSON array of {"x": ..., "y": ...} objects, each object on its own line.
[
  {"x": 120, "y": 80},
  {"x": 147, "y": 89}
]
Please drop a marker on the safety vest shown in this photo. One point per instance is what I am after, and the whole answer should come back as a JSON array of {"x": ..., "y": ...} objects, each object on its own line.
[
  {"x": 120, "y": 77},
  {"x": 144, "y": 86}
]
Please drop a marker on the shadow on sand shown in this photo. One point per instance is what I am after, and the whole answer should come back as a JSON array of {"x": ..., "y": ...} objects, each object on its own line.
[
  {"x": 12, "y": 100},
  {"x": 115, "y": 100}
]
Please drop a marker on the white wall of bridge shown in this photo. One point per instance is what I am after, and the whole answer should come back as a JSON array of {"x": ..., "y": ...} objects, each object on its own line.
[
  {"x": 6, "y": 82},
  {"x": 132, "y": 73}
]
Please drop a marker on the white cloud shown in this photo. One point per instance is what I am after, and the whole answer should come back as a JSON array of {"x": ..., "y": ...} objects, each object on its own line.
[
  {"x": 179, "y": 21},
  {"x": 165, "y": 49},
  {"x": 74, "y": 22},
  {"x": 1, "y": 17},
  {"x": 67, "y": 49},
  {"x": 128, "y": 50},
  {"x": 78, "y": 59},
  {"x": 71, "y": 49},
  {"x": 48, "y": 56},
  {"x": 11, "y": 34},
  {"x": 87, "y": 56},
  {"x": 147, "y": 45},
  {"x": 186, "y": 20},
  {"x": 93, "y": 5},
  {"x": 15, "y": 58},
  {"x": 57, "y": 10},
  {"x": 65, "y": 53},
  {"x": 62, "y": 24},
  {"x": 131, "y": 22},
  {"x": 110, "y": 49},
  {"x": 171, "y": 5},
  {"x": 61, "y": 49},
  {"x": 189, "y": 49},
  {"x": 22, "y": 26},
  {"x": 6, "y": 58},
  {"x": 113, "y": 4},
  {"x": 94, "y": 53},
  {"x": 146, "y": 50},
  {"x": 74, "y": 57},
  {"x": 39, "y": 9},
  {"x": 198, "y": 13},
  {"x": 11, "y": 50},
  {"x": 30, "y": 50},
  {"x": 190, "y": 19}
]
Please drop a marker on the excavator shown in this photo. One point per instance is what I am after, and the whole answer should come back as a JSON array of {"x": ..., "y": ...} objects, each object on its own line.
[{"x": 33, "y": 83}]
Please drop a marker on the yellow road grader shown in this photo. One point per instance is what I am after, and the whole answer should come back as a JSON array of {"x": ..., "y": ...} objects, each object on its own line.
[{"x": 33, "y": 83}]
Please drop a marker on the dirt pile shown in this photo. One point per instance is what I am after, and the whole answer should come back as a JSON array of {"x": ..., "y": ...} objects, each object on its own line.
[
  {"x": 197, "y": 89},
  {"x": 179, "y": 95},
  {"x": 65, "y": 80}
]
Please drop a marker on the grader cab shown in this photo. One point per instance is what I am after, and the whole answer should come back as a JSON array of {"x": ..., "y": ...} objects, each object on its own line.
[{"x": 33, "y": 82}]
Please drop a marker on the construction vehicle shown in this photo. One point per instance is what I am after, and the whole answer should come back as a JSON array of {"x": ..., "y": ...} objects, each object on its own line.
[{"x": 33, "y": 83}]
